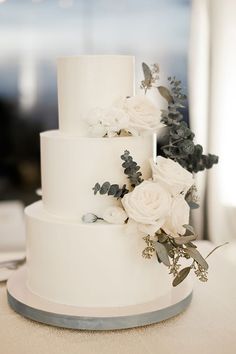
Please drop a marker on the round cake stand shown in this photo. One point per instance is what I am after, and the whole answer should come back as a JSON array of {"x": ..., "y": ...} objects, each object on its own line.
[{"x": 39, "y": 309}]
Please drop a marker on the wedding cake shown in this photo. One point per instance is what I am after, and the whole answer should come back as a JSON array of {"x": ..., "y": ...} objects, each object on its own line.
[{"x": 70, "y": 259}]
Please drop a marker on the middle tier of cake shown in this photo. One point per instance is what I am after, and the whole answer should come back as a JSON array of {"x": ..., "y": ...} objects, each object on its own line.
[{"x": 72, "y": 165}]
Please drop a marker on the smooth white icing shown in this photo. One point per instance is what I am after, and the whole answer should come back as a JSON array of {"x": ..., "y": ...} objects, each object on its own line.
[
  {"x": 89, "y": 81},
  {"x": 71, "y": 165},
  {"x": 89, "y": 265}
]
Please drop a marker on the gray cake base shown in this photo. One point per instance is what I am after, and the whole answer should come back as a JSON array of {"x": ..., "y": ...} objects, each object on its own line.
[{"x": 39, "y": 309}]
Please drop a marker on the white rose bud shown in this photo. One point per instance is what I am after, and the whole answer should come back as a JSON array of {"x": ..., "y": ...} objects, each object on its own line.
[
  {"x": 149, "y": 203},
  {"x": 115, "y": 215},
  {"x": 171, "y": 175},
  {"x": 89, "y": 218},
  {"x": 179, "y": 216}
]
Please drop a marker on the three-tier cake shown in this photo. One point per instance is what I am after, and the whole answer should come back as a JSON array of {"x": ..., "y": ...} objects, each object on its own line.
[{"x": 68, "y": 261}]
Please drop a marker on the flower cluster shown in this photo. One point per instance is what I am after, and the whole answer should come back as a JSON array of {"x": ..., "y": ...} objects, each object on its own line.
[
  {"x": 158, "y": 208},
  {"x": 160, "y": 202},
  {"x": 135, "y": 115}
]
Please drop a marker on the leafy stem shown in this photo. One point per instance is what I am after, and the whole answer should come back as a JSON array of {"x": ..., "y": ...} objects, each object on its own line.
[
  {"x": 131, "y": 169},
  {"x": 185, "y": 152},
  {"x": 169, "y": 250}
]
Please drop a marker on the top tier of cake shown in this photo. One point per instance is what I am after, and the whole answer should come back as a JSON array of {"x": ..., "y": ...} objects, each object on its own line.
[{"x": 91, "y": 81}]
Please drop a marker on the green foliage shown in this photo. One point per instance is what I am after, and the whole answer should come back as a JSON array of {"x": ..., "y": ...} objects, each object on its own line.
[
  {"x": 169, "y": 250},
  {"x": 110, "y": 189},
  {"x": 180, "y": 146},
  {"x": 150, "y": 76},
  {"x": 181, "y": 276},
  {"x": 162, "y": 253},
  {"x": 131, "y": 169}
]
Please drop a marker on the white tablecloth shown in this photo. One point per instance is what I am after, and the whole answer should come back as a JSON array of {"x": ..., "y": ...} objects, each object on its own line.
[{"x": 208, "y": 326}]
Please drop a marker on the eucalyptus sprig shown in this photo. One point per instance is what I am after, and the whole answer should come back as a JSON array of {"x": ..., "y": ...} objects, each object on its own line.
[
  {"x": 180, "y": 145},
  {"x": 169, "y": 250},
  {"x": 131, "y": 170},
  {"x": 110, "y": 189}
]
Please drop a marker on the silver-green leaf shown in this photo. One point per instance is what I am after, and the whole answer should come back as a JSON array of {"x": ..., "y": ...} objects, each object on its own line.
[
  {"x": 181, "y": 276},
  {"x": 147, "y": 74},
  {"x": 193, "y": 205},
  {"x": 181, "y": 240},
  {"x": 195, "y": 254},
  {"x": 164, "y": 92},
  {"x": 162, "y": 253},
  {"x": 189, "y": 230}
]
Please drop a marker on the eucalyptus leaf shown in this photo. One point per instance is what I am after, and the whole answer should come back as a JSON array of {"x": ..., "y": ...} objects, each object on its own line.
[
  {"x": 105, "y": 187},
  {"x": 190, "y": 229},
  {"x": 96, "y": 188},
  {"x": 158, "y": 259},
  {"x": 181, "y": 240},
  {"x": 147, "y": 75},
  {"x": 131, "y": 169},
  {"x": 162, "y": 253},
  {"x": 195, "y": 254},
  {"x": 190, "y": 244},
  {"x": 162, "y": 238},
  {"x": 113, "y": 189},
  {"x": 181, "y": 276},
  {"x": 193, "y": 205},
  {"x": 118, "y": 193},
  {"x": 164, "y": 92},
  {"x": 187, "y": 147},
  {"x": 169, "y": 248}
]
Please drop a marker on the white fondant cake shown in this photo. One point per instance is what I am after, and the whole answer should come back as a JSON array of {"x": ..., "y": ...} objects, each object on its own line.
[
  {"x": 68, "y": 261},
  {"x": 90, "y": 265},
  {"x": 91, "y": 81}
]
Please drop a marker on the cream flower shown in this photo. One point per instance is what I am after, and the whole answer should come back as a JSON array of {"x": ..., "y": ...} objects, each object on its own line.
[
  {"x": 97, "y": 131},
  {"x": 107, "y": 121},
  {"x": 171, "y": 175},
  {"x": 94, "y": 119},
  {"x": 115, "y": 215},
  {"x": 114, "y": 120},
  {"x": 148, "y": 203},
  {"x": 179, "y": 216},
  {"x": 143, "y": 115}
]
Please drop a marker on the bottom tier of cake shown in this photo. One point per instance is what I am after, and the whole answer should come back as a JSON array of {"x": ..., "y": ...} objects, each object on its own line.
[{"x": 89, "y": 265}]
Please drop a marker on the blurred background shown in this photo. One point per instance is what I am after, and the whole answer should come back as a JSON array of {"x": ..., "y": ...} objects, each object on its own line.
[
  {"x": 193, "y": 40},
  {"x": 34, "y": 33}
]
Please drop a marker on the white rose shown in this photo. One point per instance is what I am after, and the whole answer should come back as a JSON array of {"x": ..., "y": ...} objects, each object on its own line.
[
  {"x": 94, "y": 116},
  {"x": 107, "y": 121},
  {"x": 97, "y": 131},
  {"x": 115, "y": 215},
  {"x": 171, "y": 175},
  {"x": 115, "y": 119},
  {"x": 179, "y": 216},
  {"x": 148, "y": 203},
  {"x": 94, "y": 119},
  {"x": 143, "y": 115}
]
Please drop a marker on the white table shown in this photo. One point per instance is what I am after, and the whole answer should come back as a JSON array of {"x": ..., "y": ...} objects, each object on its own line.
[{"x": 208, "y": 326}]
